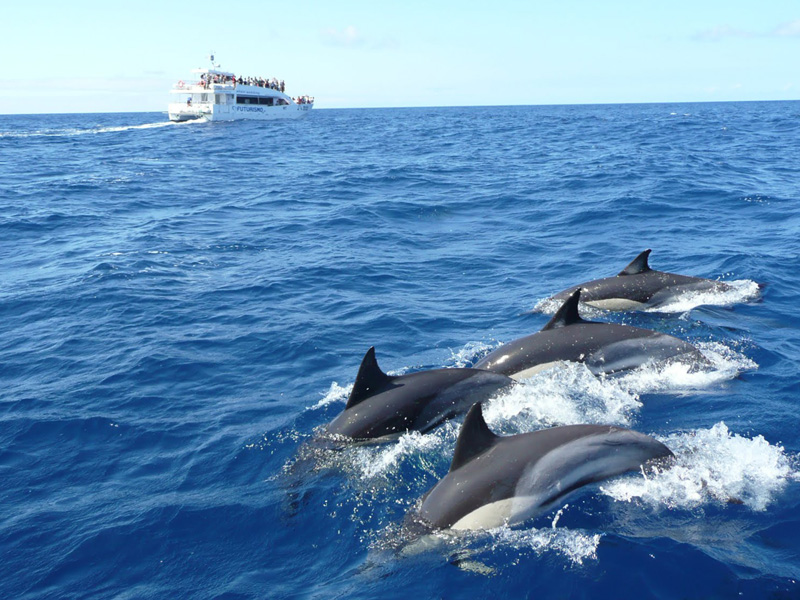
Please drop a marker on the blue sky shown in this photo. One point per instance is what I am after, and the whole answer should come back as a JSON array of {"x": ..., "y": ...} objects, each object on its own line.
[{"x": 99, "y": 56}]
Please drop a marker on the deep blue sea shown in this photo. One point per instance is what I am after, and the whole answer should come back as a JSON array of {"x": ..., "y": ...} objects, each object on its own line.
[{"x": 182, "y": 306}]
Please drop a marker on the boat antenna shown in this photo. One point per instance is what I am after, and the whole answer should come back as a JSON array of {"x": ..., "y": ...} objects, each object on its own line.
[{"x": 211, "y": 58}]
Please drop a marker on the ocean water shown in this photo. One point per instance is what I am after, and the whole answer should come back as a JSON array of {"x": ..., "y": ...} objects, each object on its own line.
[{"x": 182, "y": 306}]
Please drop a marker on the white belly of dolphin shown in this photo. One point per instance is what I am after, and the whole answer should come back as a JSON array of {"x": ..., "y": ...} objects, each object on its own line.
[
  {"x": 487, "y": 516},
  {"x": 535, "y": 369},
  {"x": 616, "y": 304},
  {"x": 511, "y": 511}
]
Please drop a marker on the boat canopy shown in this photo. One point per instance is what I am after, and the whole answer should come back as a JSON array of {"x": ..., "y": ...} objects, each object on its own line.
[{"x": 213, "y": 72}]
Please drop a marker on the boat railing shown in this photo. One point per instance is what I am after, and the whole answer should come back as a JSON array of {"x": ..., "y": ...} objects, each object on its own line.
[{"x": 202, "y": 86}]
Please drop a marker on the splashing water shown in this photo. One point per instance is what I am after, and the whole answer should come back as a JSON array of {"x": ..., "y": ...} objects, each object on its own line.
[
  {"x": 485, "y": 551},
  {"x": 371, "y": 462},
  {"x": 575, "y": 545},
  {"x": 726, "y": 363},
  {"x": 468, "y": 354},
  {"x": 565, "y": 395},
  {"x": 738, "y": 292},
  {"x": 712, "y": 465},
  {"x": 336, "y": 393}
]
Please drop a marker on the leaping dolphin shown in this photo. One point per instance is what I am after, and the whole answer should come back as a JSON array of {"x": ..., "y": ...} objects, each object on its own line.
[
  {"x": 382, "y": 405},
  {"x": 638, "y": 286},
  {"x": 496, "y": 481},
  {"x": 603, "y": 347}
]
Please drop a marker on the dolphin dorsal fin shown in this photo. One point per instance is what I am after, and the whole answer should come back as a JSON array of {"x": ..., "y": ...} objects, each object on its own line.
[
  {"x": 369, "y": 381},
  {"x": 567, "y": 314},
  {"x": 637, "y": 265},
  {"x": 475, "y": 437}
]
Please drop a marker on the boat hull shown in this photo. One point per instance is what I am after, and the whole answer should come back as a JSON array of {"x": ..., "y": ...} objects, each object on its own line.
[{"x": 179, "y": 111}]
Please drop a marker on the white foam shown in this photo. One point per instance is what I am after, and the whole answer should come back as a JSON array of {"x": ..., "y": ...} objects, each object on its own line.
[
  {"x": 570, "y": 394},
  {"x": 373, "y": 462},
  {"x": 469, "y": 548},
  {"x": 74, "y": 132},
  {"x": 726, "y": 363},
  {"x": 565, "y": 395},
  {"x": 712, "y": 466},
  {"x": 499, "y": 548},
  {"x": 575, "y": 545},
  {"x": 128, "y": 127},
  {"x": 468, "y": 354},
  {"x": 741, "y": 290},
  {"x": 336, "y": 393}
]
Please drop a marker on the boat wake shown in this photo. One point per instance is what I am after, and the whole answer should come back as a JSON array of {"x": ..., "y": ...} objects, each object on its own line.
[{"x": 71, "y": 132}]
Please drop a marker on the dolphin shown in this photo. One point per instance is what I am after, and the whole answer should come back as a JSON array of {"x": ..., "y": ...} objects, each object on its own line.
[
  {"x": 495, "y": 481},
  {"x": 382, "y": 406},
  {"x": 603, "y": 347},
  {"x": 638, "y": 286}
]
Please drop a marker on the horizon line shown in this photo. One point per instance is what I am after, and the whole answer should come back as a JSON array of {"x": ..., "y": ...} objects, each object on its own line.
[{"x": 653, "y": 102}]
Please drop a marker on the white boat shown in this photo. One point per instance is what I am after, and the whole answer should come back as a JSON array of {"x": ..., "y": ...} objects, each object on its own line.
[{"x": 216, "y": 95}]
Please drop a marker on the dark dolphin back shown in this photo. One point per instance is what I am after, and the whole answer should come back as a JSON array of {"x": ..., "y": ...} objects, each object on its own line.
[
  {"x": 639, "y": 283},
  {"x": 381, "y": 405}
]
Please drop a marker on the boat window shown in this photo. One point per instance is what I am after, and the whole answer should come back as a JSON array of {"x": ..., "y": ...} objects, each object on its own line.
[
  {"x": 246, "y": 100},
  {"x": 267, "y": 101}
]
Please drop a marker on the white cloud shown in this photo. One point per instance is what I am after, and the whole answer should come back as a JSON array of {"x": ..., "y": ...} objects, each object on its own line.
[
  {"x": 347, "y": 37},
  {"x": 721, "y": 32},
  {"x": 790, "y": 29}
]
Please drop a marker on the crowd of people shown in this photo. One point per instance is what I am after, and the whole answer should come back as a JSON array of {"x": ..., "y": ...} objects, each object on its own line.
[
  {"x": 206, "y": 79},
  {"x": 274, "y": 84}
]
